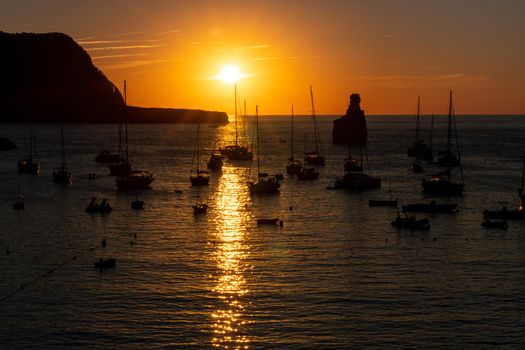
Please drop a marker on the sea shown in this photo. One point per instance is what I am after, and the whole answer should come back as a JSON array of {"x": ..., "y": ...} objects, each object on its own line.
[{"x": 335, "y": 275}]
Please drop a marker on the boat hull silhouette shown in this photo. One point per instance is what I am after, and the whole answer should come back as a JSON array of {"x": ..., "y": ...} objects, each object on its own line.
[
  {"x": 136, "y": 180},
  {"x": 29, "y": 166}
]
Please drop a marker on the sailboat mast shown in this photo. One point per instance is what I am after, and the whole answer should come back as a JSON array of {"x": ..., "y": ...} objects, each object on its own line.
[
  {"x": 457, "y": 140},
  {"x": 449, "y": 130},
  {"x": 291, "y": 139},
  {"x": 64, "y": 165},
  {"x": 417, "y": 122},
  {"x": 315, "y": 121},
  {"x": 431, "y": 131},
  {"x": 257, "y": 131},
  {"x": 31, "y": 142},
  {"x": 198, "y": 149},
  {"x": 520, "y": 190},
  {"x": 235, "y": 100},
  {"x": 126, "y": 148},
  {"x": 244, "y": 120}
]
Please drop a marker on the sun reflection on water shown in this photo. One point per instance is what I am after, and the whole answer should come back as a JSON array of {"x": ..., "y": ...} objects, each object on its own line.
[{"x": 231, "y": 255}]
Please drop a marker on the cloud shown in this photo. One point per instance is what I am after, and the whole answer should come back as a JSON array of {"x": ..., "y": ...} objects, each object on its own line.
[
  {"x": 131, "y": 64},
  {"x": 118, "y": 56},
  {"x": 98, "y": 42},
  {"x": 124, "y": 47},
  {"x": 406, "y": 81},
  {"x": 271, "y": 58},
  {"x": 167, "y": 32}
]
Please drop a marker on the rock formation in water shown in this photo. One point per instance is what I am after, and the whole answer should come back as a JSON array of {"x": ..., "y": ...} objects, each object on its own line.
[
  {"x": 50, "y": 78},
  {"x": 350, "y": 129}
]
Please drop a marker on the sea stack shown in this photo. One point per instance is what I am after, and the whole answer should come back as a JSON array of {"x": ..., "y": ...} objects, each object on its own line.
[{"x": 350, "y": 129}]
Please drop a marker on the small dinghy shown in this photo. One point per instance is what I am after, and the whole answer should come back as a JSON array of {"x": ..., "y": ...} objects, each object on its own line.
[
  {"x": 271, "y": 221},
  {"x": 200, "y": 208},
  {"x": 412, "y": 223},
  {"x": 106, "y": 263}
]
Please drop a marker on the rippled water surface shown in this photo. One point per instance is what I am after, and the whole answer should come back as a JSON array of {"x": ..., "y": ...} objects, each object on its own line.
[{"x": 336, "y": 275}]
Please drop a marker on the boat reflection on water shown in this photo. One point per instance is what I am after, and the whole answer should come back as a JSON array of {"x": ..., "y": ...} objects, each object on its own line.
[{"x": 229, "y": 318}]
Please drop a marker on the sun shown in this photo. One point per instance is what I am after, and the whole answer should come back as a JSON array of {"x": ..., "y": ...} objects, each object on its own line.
[{"x": 230, "y": 74}]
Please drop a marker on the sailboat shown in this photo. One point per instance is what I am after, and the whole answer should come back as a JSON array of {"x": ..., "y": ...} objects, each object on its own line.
[
  {"x": 305, "y": 174},
  {"x": 61, "y": 174},
  {"x": 127, "y": 178},
  {"x": 516, "y": 214},
  {"x": 30, "y": 165},
  {"x": 265, "y": 183},
  {"x": 123, "y": 167},
  {"x": 293, "y": 165},
  {"x": 419, "y": 148},
  {"x": 198, "y": 177},
  {"x": 351, "y": 163},
  {"x": 237, "y": 151},
  {"x": 441, "y": 183},
  {"x": 314, "y": 157},
  {"x": 447, "y": 158}
]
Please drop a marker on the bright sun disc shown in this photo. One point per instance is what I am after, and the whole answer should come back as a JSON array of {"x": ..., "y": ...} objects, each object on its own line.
[{"x": 230, "y": 74}]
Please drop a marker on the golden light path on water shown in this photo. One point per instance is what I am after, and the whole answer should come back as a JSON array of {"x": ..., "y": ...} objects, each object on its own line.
[{"x": 230, "y": 203}]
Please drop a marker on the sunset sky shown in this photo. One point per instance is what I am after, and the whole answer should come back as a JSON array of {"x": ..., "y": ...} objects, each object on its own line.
[{"x": 388, "y": 51}]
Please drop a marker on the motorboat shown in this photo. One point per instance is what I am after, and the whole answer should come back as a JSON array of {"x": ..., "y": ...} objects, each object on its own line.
[
  {"x": 200, "y": 208},
  {"x": 431, "y": 207},
  {"x": 412, "y": 223},
  {"x": 267, "y": 221}
]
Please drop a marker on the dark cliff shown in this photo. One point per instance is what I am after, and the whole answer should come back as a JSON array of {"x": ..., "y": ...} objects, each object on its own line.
[{"x": 50, "y": 78}]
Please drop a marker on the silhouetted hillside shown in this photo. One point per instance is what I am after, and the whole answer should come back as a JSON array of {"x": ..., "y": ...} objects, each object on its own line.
[{"x": 50, "y": 78}]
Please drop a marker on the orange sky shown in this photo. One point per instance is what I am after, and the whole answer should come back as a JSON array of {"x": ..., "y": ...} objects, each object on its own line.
[{"x": 388, "y": 51}]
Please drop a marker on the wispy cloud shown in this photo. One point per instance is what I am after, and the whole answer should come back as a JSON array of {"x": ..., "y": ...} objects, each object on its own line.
[
  {"x": 123, "y": 47},
  {"x": 131, "y": 64},
  {"x": 173, "y": 31},
  {"x": 89, "y": 41},
  {"x": 255, "y": 47},
  {"x": 425, "y": 80},
  {"x": 271, "y": 58},
  {"x": 118, "y": 56}
]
